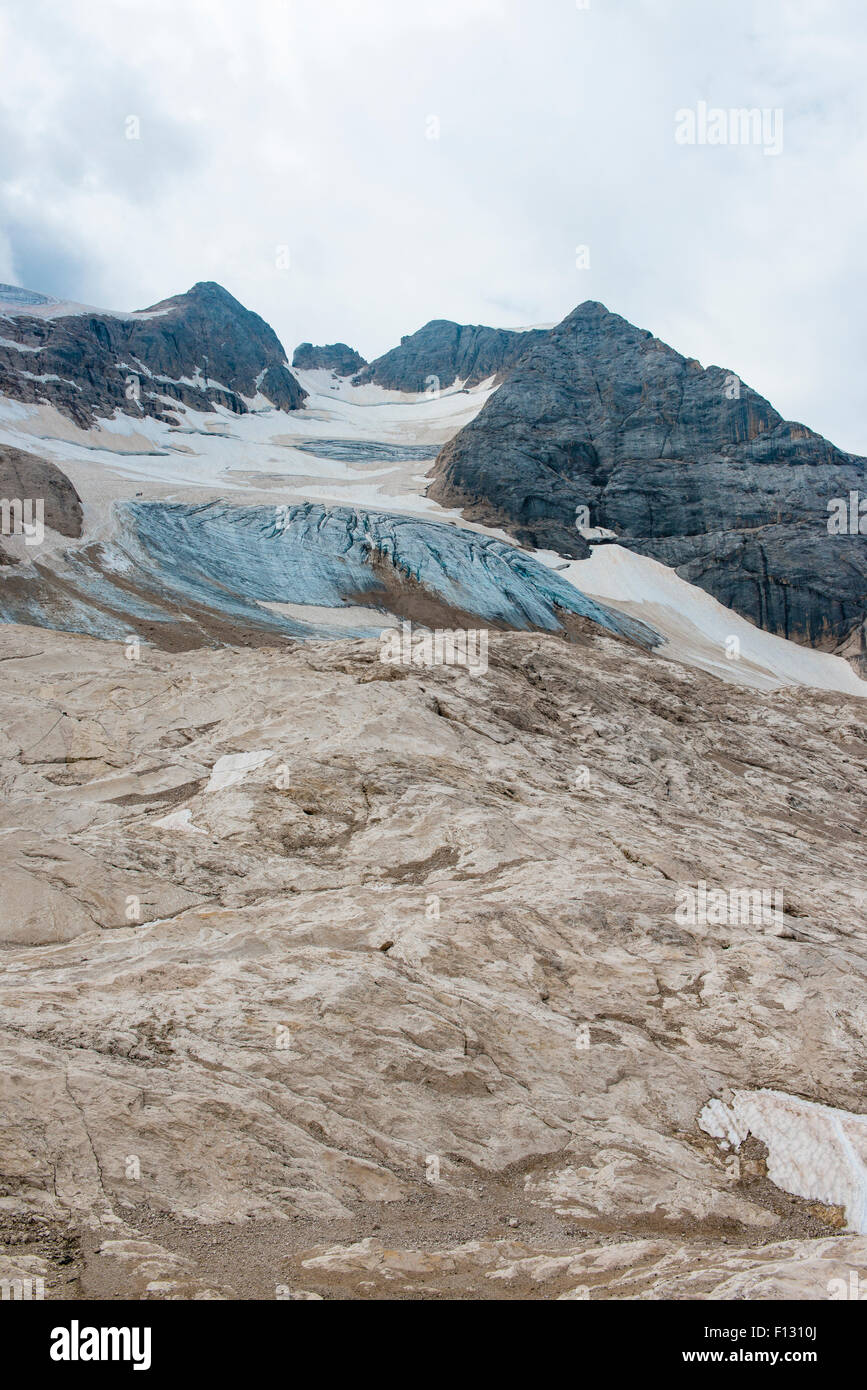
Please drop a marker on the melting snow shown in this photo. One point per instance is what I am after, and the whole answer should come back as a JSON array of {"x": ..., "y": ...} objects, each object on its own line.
[
  {"x": 224, "y": 454},
  {"x": 697, "y": 627},
  {"x": 180, "y": 820},
  {"x": 813, "y": 1150},
  {"x": 233, "y": 768}
]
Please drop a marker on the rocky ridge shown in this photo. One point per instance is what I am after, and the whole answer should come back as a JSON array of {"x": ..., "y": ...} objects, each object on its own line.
[
  {"x": 442, "y": 352},
  {"x": 202, "y": 348},
  {"x": 335, "y": 357},
  {"x": 26, "y": 477}
]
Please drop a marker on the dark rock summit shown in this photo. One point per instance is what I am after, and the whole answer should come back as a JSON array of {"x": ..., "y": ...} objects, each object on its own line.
[
  {"x": 686, "y": 464},
  {"x": 335, "y": 357},
  {"x": 202, "y": 348},
  {"x": 443, "y": 352}
]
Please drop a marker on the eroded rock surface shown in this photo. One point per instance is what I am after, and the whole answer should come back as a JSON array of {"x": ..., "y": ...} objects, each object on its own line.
[{"x": 402, "y": 1004}]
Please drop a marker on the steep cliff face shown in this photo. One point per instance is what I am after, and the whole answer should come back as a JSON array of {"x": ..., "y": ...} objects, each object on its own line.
[
  {"x": 202, "y": 348},
  {"x": 443, "y": 352},
  {"x": 333, "y": 357},
  {"x": 686, "y": 464}
]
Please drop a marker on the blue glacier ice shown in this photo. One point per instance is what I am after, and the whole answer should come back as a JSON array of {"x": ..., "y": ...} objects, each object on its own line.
[{"x": 167, "y": 562}]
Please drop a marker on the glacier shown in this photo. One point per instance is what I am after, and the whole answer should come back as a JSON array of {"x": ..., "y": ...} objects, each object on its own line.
[{"x": 186, "y": 567}]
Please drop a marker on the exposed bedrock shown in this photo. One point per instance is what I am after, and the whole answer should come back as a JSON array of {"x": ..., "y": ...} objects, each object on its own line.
[
  {"x": 444, "y": 352},
  {"x": 334, "y": 357},
  {"x": 28, "y": 480},
  {"x": 686, "y": 464},
  {"x": 283, "y": 935},
  {"x": 202, "y": 348}
]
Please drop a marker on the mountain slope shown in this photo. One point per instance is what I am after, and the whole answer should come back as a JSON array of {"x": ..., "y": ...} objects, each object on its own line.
[
  {"x": 202, "y": 348},
  {"x": 688, "y": 465}
]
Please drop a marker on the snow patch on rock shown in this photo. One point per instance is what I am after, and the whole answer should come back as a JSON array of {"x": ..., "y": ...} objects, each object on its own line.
[
  {"x": 814, "y": 1150},
  {"x": 231, "y": 769},
  {"x": 180, "y": 820}
]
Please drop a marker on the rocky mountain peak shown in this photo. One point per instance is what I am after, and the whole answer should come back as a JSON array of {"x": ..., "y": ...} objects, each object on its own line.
[
  {"x": 202, "y": 348},
  {"x": 334, "y": 357},
  {"x": 442, "y": 352},
  {"x": 600, "y": 419}
]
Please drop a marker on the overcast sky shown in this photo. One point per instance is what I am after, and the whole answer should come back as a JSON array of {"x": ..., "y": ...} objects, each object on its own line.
[{"x": 352, "y": 169}]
